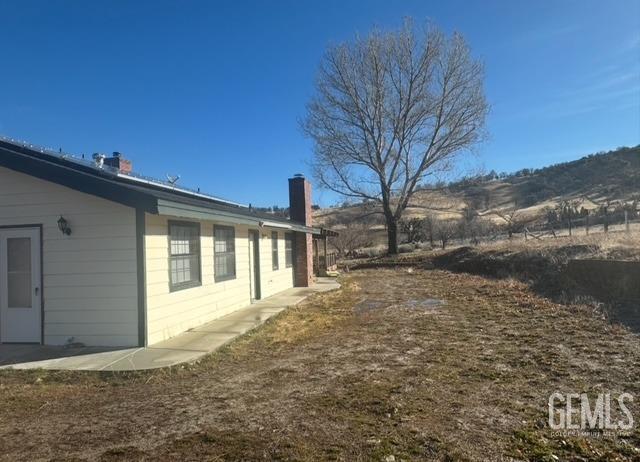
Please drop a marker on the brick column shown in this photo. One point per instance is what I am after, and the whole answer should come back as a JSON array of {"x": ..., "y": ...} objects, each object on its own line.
[{"x": 303, "y": 264}]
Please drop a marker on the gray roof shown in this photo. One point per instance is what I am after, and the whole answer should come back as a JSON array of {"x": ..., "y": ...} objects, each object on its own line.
[{"x": 149, "y": 195}]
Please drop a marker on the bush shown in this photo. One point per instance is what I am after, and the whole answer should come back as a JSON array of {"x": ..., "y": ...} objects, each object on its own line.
[
  {"x": 424, "y": 246},
  {"x": 406, "y": 248},
  {"x": 370, "y": 252}
]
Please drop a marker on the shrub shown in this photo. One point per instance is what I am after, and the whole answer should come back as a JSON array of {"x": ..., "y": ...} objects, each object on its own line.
[
  {"x": 406, "y": 248},
  {"x": 371, "y": 252}
]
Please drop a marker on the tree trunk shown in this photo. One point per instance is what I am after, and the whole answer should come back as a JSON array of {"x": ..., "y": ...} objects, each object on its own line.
[
  {"x": 587, "y": 223},
  {"x": 570, "y": 227},
  {"x": 392, "y": 235}
]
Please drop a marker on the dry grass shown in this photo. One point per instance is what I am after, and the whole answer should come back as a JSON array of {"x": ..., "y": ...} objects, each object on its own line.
[
  {"x": 465, "y": 381},
  {"x": 613, "y": 245}
]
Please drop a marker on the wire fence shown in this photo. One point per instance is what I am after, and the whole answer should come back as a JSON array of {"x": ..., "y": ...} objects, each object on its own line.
[{"x": 582, "y": 226}]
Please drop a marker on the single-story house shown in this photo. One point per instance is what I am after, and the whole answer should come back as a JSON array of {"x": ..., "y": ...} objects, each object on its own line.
[{"x": 92, "y": 253}]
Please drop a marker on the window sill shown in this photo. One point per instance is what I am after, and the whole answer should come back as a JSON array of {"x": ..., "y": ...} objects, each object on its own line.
[
  {"x": 224, "y": 278},
  {"x": 184, "y": 286}
]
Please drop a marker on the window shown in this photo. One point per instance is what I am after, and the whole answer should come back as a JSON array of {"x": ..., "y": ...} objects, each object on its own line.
[
  {"x": 288, "y": 250},
  {"x": 184, "y": 255},
  {"x": 224, "y": 250},
  {"x": 274, "y": 250},
  {"x": 19, "y": 272}
]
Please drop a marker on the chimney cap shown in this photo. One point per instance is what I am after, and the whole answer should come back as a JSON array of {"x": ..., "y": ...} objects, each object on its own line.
[
  {"x": 117, "y": 154},
  {"x": 298, "y": 175}
]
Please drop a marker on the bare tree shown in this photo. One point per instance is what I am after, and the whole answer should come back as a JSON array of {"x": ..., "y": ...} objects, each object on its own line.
[
  {"x": 445, "y": 230},
  {"x": 607, "y": 206},
  {"x": 568, "y": 210},
  {"x": 514, "y": 220},
  {"x": 413, "y": 229},
  {"x": 351, "y": 237},
  {"x": 429, "y": 227},
  {"x": 391, "y": 109},
  {"x": 472, "y": 226}
]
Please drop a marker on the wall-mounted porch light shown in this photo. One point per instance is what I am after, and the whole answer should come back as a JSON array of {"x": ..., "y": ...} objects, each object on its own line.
[{"x": 63, "y": 226}]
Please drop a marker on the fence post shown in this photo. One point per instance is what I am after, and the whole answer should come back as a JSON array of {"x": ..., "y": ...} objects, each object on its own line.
[{"x": 587, "y": 223}]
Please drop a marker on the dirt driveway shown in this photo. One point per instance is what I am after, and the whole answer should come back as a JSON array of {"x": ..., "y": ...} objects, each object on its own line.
[{"x": 378, "y": 369}]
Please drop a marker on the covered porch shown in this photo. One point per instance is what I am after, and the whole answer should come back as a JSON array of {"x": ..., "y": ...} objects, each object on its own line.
[{"x": 324, "y": 260}]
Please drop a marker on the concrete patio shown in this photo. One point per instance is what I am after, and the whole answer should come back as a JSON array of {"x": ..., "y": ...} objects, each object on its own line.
[{"x": 184, "y": 348}]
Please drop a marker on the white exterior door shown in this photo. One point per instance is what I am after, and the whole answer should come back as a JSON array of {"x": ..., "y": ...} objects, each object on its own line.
[{"x": 20, "y": 291}]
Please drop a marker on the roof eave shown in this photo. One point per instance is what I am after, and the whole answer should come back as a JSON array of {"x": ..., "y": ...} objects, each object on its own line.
[
  {"x": 23, "y": 162},
  {"x": 177, "y": 209}
]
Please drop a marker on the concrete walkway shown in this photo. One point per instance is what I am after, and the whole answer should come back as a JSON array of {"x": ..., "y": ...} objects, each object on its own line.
[{"x": 184, "y": 348}]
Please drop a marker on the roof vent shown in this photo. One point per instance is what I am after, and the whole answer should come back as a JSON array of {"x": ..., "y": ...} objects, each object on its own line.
[{"x": 99, "y": 159}]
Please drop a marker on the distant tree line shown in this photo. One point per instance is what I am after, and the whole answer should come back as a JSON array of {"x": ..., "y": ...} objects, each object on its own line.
[
  {"x": 438, "y": 231},
  {"x": 618, "y": 172},
  {"x": 278, "y": 211}
]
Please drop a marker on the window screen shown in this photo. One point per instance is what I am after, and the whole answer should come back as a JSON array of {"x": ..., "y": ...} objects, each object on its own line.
[
  {"x": 184, "y": 255},
  {"x": 288, "y": 250},
  {"x": 274, "y": 250},
  {"x": 224, "y": 253}
]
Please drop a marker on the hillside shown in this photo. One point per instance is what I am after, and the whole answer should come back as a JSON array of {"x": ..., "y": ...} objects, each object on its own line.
[
  {"x": 613, "y": 175},
  {"x": 592, "y": 181}
]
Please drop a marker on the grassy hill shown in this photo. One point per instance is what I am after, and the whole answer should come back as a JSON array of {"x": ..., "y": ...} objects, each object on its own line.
[{"x": 591, "y": 180}]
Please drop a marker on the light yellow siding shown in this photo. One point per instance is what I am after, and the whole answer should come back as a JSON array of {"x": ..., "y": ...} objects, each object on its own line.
[
  {"x": 90, "y": 279},
  {"x": 272, "y": 281},
  {"x": 90, "y": 282},
  {"x": 170, "y": 313}
]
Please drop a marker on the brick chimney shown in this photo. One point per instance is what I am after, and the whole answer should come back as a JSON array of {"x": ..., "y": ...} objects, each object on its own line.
[
  {"x": 119, "y": 162},
  {"x": 300, "y": 212}
]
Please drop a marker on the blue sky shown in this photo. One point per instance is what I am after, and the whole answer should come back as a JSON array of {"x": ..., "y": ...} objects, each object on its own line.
[{"x": 213, "y": 91}]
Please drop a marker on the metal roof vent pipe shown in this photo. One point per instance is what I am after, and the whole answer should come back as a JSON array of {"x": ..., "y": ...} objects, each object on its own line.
[{"x": 99, "y": 159}]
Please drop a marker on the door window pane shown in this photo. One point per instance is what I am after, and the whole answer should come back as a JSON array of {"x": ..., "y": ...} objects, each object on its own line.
[
  {"x": 19, "y": 254},
  {"x": 19, "y": 272}
]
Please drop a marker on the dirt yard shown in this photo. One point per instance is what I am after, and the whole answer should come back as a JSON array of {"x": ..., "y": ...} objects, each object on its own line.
[{"x": 374, "y": 370}]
